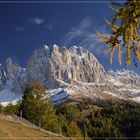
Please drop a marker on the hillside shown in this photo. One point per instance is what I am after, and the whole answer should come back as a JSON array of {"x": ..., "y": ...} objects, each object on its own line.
[
  {"x": 110, "y": 119},
  {"x": 10, "y": 128}
]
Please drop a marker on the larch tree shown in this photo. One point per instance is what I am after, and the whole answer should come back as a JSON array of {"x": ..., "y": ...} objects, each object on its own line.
[
  {"x": 125, "y": 31},
  {"x": 36, "y": 108}
]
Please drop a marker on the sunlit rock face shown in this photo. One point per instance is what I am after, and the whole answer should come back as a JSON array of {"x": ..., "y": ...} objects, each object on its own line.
[{"x": 67, "y": 65}]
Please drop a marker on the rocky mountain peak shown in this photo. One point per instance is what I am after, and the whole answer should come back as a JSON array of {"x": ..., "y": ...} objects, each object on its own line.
[
  {"x": 12, "y": 69},
  {"x": 2, "y": 77},
  {"x": 68, "y": 65},
  {"x": 74, "y": 70}
]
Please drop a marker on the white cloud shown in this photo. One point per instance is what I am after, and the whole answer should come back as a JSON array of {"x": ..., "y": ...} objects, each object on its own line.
[
  {"x": 54, "y": 23},
  {"x": 86, "y": 23},
  {"x": 37, "y": 20},
  {"x": 19, "y": 29},
  {"x": 85, "y": 36}
]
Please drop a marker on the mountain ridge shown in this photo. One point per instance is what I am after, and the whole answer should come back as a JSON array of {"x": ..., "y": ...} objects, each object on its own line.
[{"x": 75, "y": 71}]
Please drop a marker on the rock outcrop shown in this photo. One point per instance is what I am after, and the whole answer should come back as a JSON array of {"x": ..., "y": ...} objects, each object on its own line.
[
  {"x": 2, "y": 77},
  {"x": 53, "y": 66},
  {"x": 16, "y": 77},
  {"x": 67, "y": 65}
]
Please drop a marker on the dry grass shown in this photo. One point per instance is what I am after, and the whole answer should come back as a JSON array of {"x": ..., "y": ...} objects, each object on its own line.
[
  {"x": 11, "y": 130},
  {"x": 14, "y": 130}
]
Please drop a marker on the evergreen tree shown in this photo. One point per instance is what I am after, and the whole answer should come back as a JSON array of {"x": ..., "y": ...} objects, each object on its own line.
[
  {"x": 11, "y": 109},
  {"x": 1, "y": 108},
  {"x": 73, "y": 130},
  {"x": 36, "y": 108}
]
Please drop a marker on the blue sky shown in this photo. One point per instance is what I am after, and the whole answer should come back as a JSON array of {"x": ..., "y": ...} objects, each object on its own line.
[{"x": 26, "y": 26}]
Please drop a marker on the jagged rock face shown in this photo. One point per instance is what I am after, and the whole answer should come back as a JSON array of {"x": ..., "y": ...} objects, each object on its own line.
[
  {"x": 53, "y": 66},
  {"x": 16, "y": 77},
  {"x": 38, "y": 65},
  {"x": 2, "y": 77},
  {"x": 122, "y": 84},
  {"x": 68, "y": 65},
  {"x": 124, "y": 77},
  {"x": 74, "y": 70},
  {"x": 11, "y": 69}
]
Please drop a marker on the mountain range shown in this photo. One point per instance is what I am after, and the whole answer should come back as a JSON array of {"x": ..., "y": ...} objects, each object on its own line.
[{"x": 68, "y": 73}]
